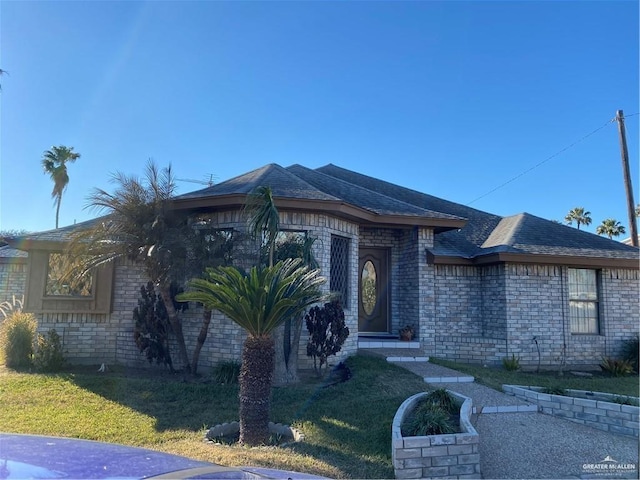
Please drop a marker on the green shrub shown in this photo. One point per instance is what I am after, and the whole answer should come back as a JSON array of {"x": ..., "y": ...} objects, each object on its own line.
[
  {"x": 226, "y": 372},
  {"x": 48, "y": 356},
  {"x": 623, "y": 400},
  {"x": 444, "y": 400},
  {"x": 631, "y": 351},
  {"x": 428, "y": 419},
  {"x": 17, "y": 333},
  {"x": 555, "y": 390},
  {"x": 616, "y": 367},
  {"x": 511, "y": 364}
]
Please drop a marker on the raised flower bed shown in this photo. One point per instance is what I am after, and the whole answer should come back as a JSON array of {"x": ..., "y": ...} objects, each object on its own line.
[
  {"x": 453, "y": 455},
  {"x": 604, "y": 411}
]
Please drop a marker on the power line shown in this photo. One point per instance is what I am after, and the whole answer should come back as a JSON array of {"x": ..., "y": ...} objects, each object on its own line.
[{"x": 546, "y": 160}]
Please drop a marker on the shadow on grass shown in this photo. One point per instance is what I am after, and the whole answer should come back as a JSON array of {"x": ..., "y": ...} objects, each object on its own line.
[{"x": 348, "y": 425}]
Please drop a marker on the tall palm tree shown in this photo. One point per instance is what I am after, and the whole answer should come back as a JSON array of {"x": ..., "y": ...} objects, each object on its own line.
[
  {"x": 611, "y": 228},
  {"x": 3, "y": 72},
  {"x": 140, "y": 227},
  {"x": 54, "y": 162},
  {"x": 579, "y": 216},
  {"x": 258, "y": 302}
]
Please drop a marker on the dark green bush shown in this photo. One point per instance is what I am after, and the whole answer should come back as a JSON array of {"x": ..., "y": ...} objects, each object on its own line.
[
  {"x": 226, "y": 372},
  {"x": 631, "y": 351},
  {"x": 428, "y": 419},
  {"x": 623, "y": 400},
  {"x": 327, "y": 333},
  {"x": 152, "y": 328},
  {"x": 17, "y": 333},
  {"x": 48, "y": 356},
  {"x": 555, "y": 390},
  {"x": 444, "y": 400}
]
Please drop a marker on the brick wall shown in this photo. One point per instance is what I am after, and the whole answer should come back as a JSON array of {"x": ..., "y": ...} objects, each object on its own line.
[
  {"x": 13, "y": 277},
  {"x": 94, "y": 339},
  {"x": 536, "y": 306},
  {"x": 485, "y": 313}
]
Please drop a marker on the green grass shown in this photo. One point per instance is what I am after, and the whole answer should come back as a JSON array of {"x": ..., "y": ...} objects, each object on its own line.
[
  {"x": 495, "y": 377},
  {"x": 347, "y": 426}
]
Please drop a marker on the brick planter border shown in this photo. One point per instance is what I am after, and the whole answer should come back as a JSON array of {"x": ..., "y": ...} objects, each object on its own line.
[
  {"x": 443, "y": 456},
  {"x": 597, "y": 413}
]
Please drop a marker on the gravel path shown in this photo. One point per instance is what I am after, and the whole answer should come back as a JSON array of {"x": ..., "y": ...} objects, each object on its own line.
[{"x": 535, "y": 445}]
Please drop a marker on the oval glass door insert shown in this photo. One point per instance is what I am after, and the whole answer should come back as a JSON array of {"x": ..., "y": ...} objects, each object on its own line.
[{"x": 369, "y": 292}]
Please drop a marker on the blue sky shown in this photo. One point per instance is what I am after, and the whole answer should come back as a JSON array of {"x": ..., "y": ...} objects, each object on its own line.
[{"x": 450, "y": 98}]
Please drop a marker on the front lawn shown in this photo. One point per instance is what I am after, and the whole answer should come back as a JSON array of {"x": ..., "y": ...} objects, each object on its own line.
[{"x": 347, "y": 426}]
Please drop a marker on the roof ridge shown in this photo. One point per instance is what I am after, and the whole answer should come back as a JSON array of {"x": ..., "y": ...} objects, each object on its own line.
[
  {"x": 395, "y": 185},
  {"x": 352, "y": 185}
]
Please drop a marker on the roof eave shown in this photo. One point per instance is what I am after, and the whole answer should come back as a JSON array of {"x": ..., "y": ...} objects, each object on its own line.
[
  {"x": 334, "y": 207},
  {"x": 26, "y": 245},
  {"x": 504, "y": 257}
]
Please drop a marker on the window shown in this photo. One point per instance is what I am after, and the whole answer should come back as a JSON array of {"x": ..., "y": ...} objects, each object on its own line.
[
  {"x": 339, "y": 271},
  {"x": 49, "y": 287},
  {"x": 213, "y": 247},
  {"x": 291, "y": 244},
  {"x": 583, "y": 301},
  {"x": 62, "y": 278}
]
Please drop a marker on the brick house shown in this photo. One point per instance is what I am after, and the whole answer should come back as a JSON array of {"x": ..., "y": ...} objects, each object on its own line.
[{"x": 476, "y": 286}]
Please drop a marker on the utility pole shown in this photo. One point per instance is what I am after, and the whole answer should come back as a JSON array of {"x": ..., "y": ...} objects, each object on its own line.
[{"x": 627, "y": 178}]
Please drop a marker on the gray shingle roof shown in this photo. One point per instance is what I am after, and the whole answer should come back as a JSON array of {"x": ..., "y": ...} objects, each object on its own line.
[
  {"x": 483, "y": 233},
  {"x": 526, "y": 233},
  {"x": 9, "y": 252},
  {"x": 283, "y": 183},
  {"x": 51, "y": 236},
  {"x": 464, "y": 242},
  {"x": 373, "y": 200},
  {"x": 486, "y": 233}
]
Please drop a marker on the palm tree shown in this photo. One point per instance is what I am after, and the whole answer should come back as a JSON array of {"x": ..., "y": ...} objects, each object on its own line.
[
  {"x": 258, "y": 302},
  {"x": 3, "y": 72},
  {"x": 54, "y": 162},
  {"x": 610, "y": 227},
  {"x": 140, "y": 227},
  {"x": 579, "y": 216},
  {"x": 264, "y": 217}
]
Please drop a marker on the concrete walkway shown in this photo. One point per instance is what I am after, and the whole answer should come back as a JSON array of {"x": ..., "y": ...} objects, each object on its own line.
[{"x": 517, "y": 442}]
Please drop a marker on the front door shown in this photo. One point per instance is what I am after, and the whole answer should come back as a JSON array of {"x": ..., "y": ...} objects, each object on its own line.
[{"x": 373, "y": 295}]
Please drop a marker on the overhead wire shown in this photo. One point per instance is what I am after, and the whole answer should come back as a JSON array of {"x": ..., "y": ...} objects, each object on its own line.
[{"x": 513, "y": 179}]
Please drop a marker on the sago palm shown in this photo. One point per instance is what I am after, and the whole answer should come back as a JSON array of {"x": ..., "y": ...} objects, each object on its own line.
[
  {"x": 258, "y": 302},
  {"x": 579, "y": 216},
  {"x": 54, "y": 162},
  {"x": 610, "y": 227}
]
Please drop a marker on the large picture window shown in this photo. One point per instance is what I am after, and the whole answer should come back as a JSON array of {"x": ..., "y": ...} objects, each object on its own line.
[{"x": 583, "y": 301}]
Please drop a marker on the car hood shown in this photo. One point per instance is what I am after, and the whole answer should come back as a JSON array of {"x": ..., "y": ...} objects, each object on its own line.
[{"x": 34, "y": 456}]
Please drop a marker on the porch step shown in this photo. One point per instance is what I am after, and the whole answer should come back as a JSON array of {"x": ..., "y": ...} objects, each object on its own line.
[{"x": 365, "y": 343}]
